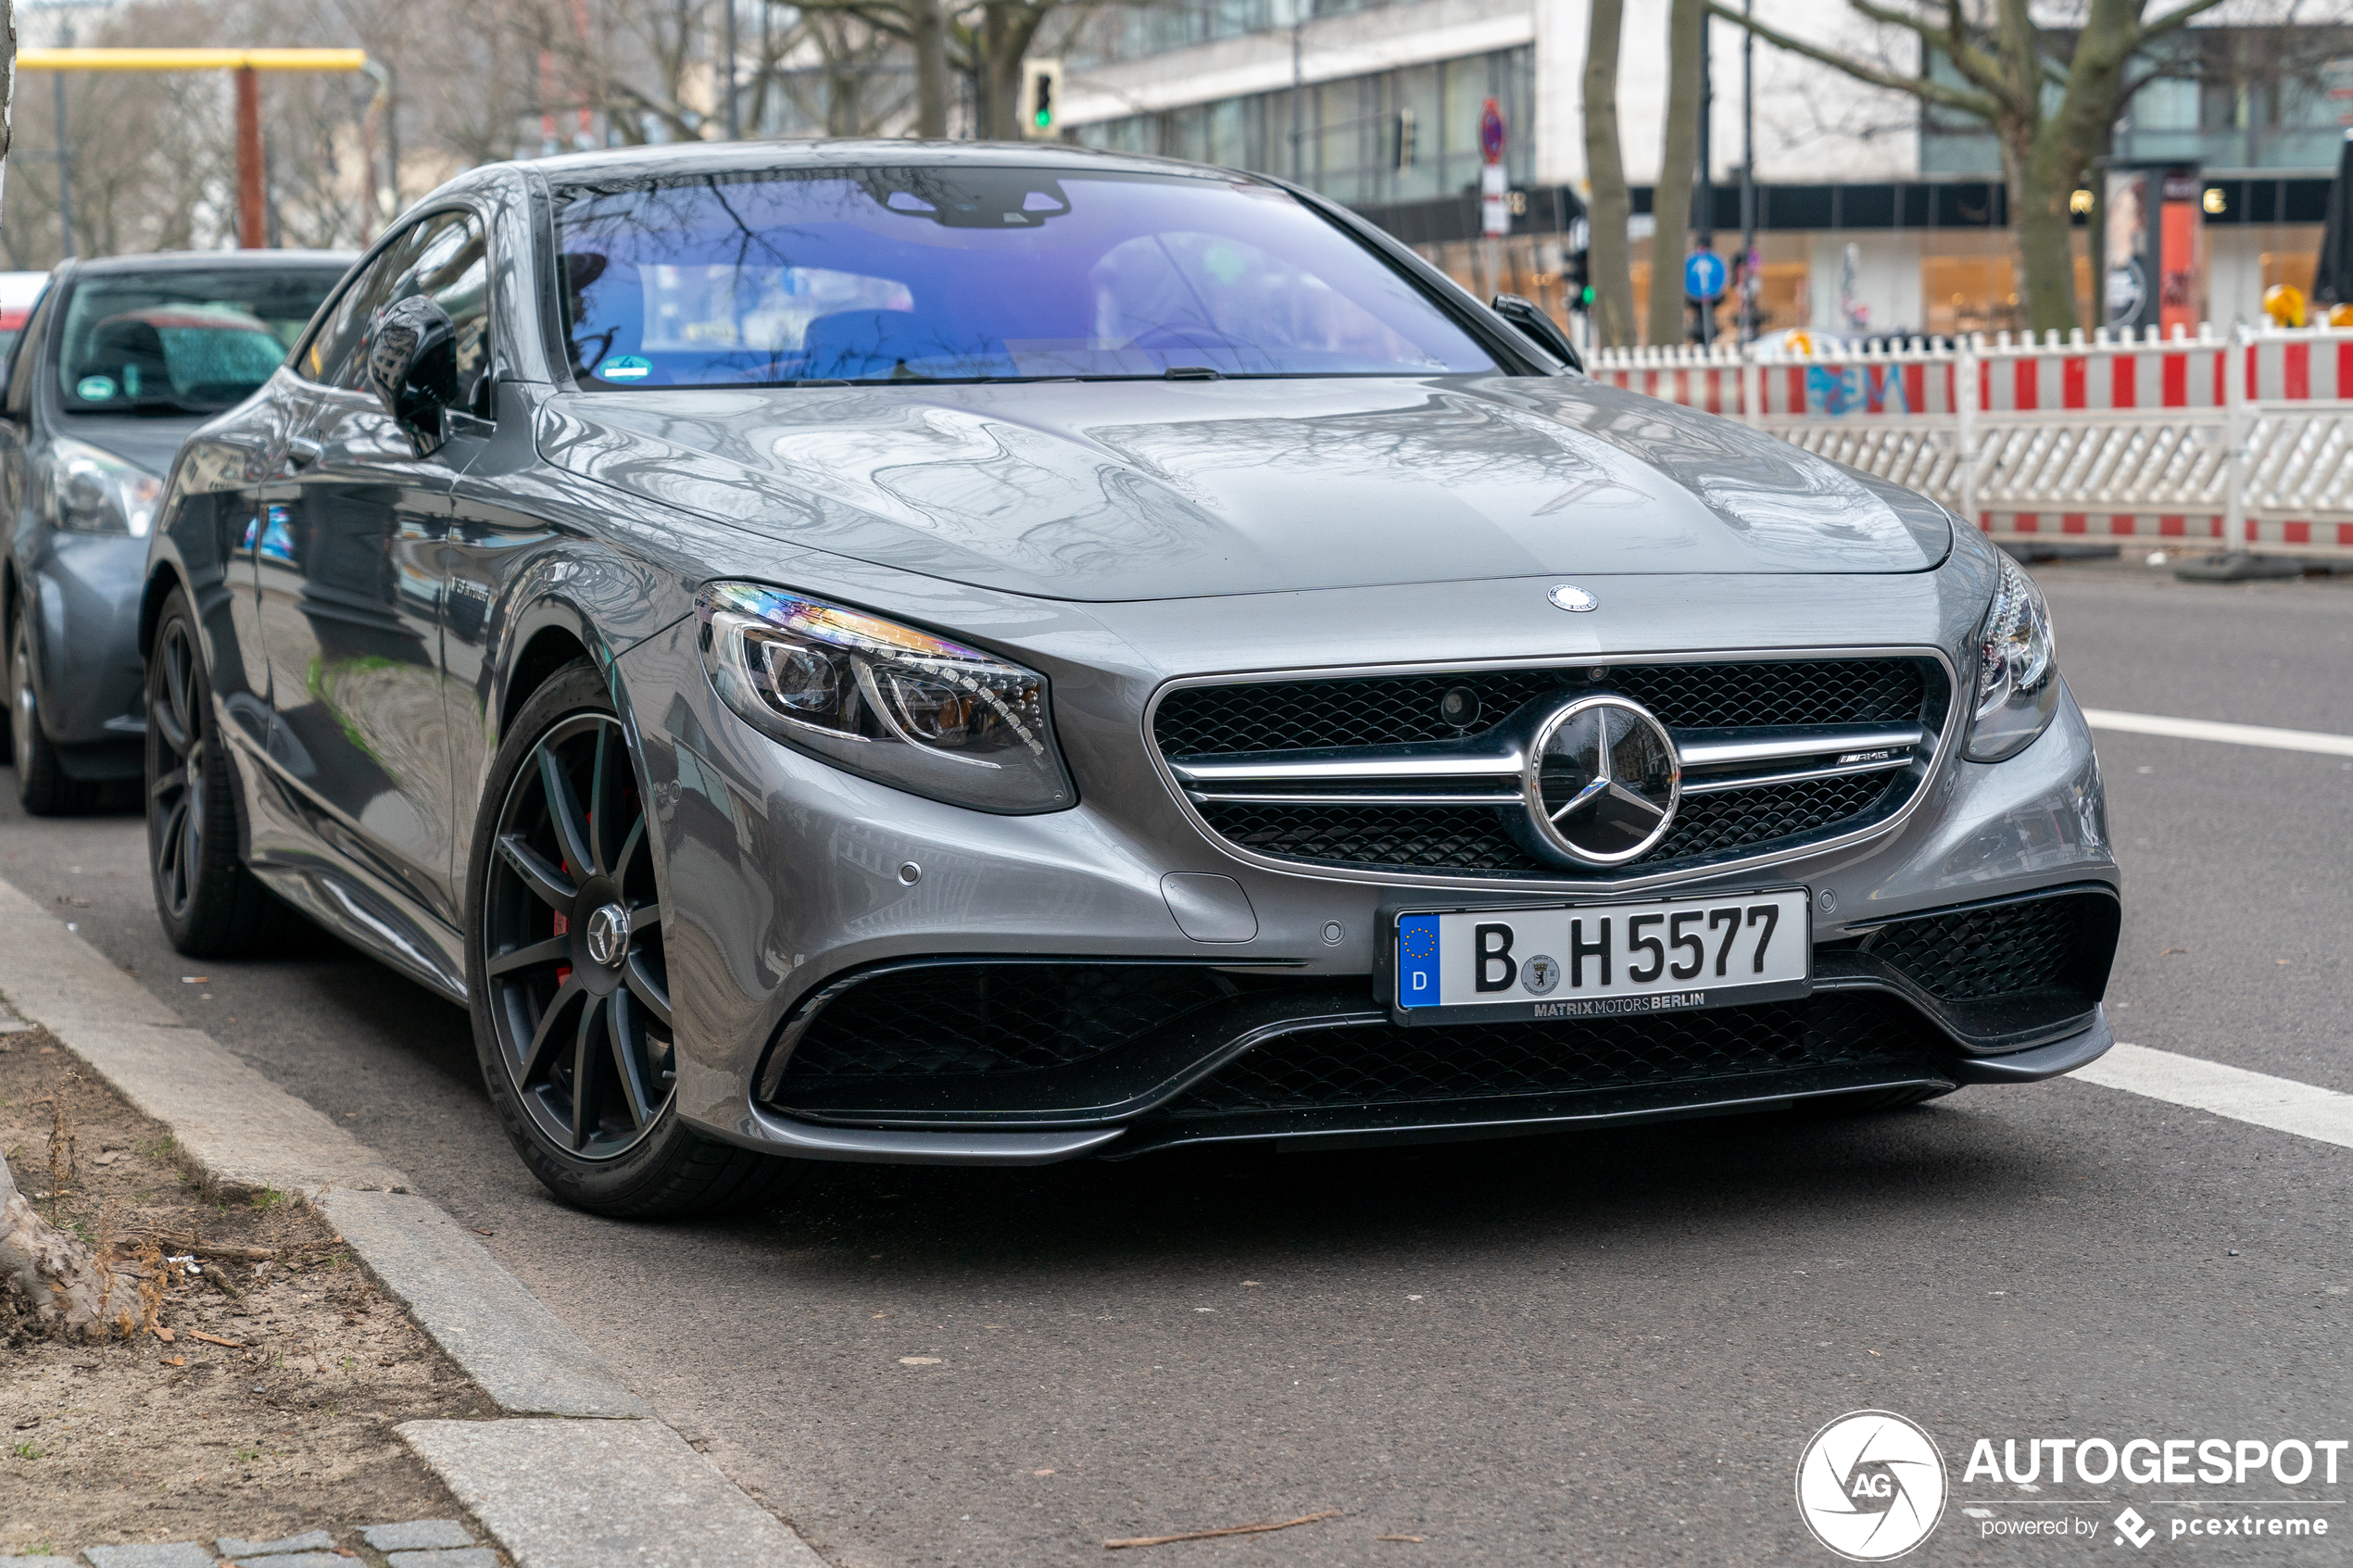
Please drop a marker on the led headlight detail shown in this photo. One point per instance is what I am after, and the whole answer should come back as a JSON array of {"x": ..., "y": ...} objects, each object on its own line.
[
  {"x": 884, "y": 702},
  {"x": 91, "y": 491},
  {"x": 2018, "y": 683}
]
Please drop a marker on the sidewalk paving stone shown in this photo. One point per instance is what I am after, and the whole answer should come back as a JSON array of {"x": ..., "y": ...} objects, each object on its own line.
[
  {"x": 298, "y": 1559},
  {"x": 309, "y": 1540},
  {"x": 416, "y": 1534},
  {"x": 472, "y": 1557},
  {"x": 169, "y": 1554}
]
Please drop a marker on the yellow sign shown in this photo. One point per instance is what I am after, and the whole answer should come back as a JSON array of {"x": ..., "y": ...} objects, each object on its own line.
[{"x": 191, "y": 59}]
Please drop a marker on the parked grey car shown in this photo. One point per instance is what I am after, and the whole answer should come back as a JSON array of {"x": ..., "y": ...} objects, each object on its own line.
[
  {"x": 955, "y": 654},
  {"x": 120, "y": 360}
]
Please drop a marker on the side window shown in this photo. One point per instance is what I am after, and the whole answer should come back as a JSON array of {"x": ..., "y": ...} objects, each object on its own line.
[
  {"x": 445, "y": 257},
  {"x": 336, "y": 352},
  {"x": 22, "y": 374},
  {"x": 454, "y": 269}
]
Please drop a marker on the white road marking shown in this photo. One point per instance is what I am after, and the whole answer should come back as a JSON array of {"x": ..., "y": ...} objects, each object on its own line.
[
  {"x": 2283, "y": 1104},
  {"x": 2207, "y": 729}
]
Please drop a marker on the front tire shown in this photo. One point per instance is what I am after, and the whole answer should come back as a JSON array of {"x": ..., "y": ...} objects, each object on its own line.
[
  {"x": 564, "y": 918},
  {"x": 210, "y": 905},
  {"x": 41, "y": 783}
]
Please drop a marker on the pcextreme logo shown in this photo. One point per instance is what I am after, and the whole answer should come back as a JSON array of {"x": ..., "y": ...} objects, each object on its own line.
[{"x": 1870, "y": 1485}]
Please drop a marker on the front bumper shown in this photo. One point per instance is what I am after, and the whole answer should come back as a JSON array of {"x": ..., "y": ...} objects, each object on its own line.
[
  {"x": 791, "y": 882},
  {"x": 83, "y": 593}
]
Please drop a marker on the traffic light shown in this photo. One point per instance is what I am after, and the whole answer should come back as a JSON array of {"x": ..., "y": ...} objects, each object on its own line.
[
  {"x": 1041, "y": 99},
  {"x": 1403, "y": 146},
  {"x": 1578, "y": 275}
]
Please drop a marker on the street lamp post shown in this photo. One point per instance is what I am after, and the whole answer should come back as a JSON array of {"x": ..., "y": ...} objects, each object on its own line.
[
  {"x": 65, "y": 158},
  {"x": 64, "y": 154},
  {"x": 1750, "y": 283}
]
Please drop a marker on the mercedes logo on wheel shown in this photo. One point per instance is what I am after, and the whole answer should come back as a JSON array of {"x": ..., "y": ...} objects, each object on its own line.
[
  {"x": 609, "y": 935},
  {"x": 1602, "y": 780},
  {"x": 1870, "y": 1485}
]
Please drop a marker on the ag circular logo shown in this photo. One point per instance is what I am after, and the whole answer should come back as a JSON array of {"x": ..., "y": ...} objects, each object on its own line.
[
  {"x": 1870, "y": 1485},
  {"x": 1603, "y": 780}
]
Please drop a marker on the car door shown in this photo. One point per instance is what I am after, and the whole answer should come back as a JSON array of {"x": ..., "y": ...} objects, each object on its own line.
[
  {"x": 347, "y": 557},
  {"x": 17, "y": 415}
]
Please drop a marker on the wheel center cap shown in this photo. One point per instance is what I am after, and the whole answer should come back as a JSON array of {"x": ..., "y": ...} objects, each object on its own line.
[{"x": 609, "y": 935}]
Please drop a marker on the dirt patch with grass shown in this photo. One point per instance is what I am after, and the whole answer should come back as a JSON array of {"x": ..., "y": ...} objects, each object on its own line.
[{"x": 270, "y": 1407}]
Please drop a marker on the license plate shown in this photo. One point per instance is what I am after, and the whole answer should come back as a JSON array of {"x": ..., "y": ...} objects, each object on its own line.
[{"x": 1603, "y": 961}]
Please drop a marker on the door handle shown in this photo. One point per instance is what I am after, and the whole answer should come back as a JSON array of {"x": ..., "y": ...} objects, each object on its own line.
[{"x": 301, "y": 452}]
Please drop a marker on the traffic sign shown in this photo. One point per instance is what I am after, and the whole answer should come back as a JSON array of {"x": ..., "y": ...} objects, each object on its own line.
[
  {"x": 1491, "y": 132},
  {"x": 1704, "y": 275}
]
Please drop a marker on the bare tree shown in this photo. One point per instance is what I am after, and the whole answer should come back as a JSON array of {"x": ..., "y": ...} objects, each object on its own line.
[
  {"x": 1671, "y": 199},
  {"x": 49, "y": 1270},
  {"x": 921, "y": 25},
  {"x": 853, "y": 56},
  {"x": 1612, "y": 317},
  {"x": 2010, "y": 66}
]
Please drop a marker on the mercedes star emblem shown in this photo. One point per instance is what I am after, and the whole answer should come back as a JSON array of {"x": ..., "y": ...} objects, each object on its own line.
[
  {"x": 1569, "y": 596},
  {"x": 609, "y": 935},
  {"x": 1603, "y": 780}
]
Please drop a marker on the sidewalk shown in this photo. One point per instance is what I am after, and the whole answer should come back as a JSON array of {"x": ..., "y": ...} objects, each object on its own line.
[{"x": 603, "y": 1483}]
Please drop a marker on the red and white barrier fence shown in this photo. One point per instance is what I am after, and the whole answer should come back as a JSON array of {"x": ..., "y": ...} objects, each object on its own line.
[{"x": 2242, "y": 441}]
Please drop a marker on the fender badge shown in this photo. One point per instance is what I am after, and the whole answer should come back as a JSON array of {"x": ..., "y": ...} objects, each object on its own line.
[{"x": 1568, "y": 597}]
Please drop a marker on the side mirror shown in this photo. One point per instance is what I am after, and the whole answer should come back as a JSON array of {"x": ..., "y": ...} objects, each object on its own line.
[
  {"x": 412, "y": 366},
  {"x": 1533, "y": 322}
]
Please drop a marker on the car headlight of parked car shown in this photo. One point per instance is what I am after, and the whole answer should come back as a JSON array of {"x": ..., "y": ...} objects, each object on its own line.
[
  {"x": 2016, "y": 669},
  {"x": 888, "y": 702},
  {"x": 93, "y": 490}
]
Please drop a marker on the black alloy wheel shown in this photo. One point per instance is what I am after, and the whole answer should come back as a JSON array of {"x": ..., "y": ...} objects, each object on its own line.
[
  {"x": 175, "y": 793},
  {"x": 41, "y": 783},
  {"x": 210, "y": 905},
  {"x": 565, "y": 962},
  {"x": 579, "y": 995}
]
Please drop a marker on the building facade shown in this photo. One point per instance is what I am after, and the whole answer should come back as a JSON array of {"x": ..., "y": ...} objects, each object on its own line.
[{"x": 1873, "y": 216}]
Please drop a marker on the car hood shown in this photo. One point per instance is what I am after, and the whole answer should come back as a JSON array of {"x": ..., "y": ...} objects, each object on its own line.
[
  {"x": 1143, "y": 490},
  {"x": 150, "y": 441}
]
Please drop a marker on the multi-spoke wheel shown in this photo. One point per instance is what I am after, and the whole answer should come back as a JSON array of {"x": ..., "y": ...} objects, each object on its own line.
[
  {"x": 572, "y": 998},
  {"x": 210, "y": 905},
  {"x": 579, "y": 996},
  {"x": 41, "y": 783}
]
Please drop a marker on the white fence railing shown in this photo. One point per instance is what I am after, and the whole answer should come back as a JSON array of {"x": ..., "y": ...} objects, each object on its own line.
[{"x": 2244, "y": 441}]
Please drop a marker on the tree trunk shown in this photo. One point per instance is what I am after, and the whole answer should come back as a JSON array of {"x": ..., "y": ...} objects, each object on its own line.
[
  {"x": 1671, "y": 201},
  {"x": 927, "y": 28},
  {"x": 1612, "y": 317},
  {"x": 48, "y": 1269},
  {"x": 7, "y": 85}
]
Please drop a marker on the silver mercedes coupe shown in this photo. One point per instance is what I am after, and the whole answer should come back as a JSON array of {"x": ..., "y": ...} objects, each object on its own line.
[{"x": 969, "y": 655}]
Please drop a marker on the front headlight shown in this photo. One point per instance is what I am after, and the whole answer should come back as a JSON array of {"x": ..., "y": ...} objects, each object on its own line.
[
  {"x": 882, "y": 700},
  {"x": 2018, "y": 683},
  {"x": 93, "y": 490}
]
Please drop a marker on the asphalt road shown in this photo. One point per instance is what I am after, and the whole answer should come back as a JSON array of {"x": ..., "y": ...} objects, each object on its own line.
[{"x": 1601, "y": 1348}]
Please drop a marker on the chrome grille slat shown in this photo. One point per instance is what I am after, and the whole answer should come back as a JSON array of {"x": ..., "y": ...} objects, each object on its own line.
[{"x": 1864, "y": 730}]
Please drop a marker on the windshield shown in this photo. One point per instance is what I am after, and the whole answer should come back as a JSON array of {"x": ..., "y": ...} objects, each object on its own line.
[
  {"x": 181, "y": 341},
  {"x": 929, "y": 274}
]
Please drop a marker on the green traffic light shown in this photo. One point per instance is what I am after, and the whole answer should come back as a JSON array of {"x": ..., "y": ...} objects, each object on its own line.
[{"x": 1045, "y": 119}]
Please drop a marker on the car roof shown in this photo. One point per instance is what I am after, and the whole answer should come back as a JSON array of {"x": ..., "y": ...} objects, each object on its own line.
[
  {"x": 730, "y": 157},
  {"x": 213, "y": 260}
]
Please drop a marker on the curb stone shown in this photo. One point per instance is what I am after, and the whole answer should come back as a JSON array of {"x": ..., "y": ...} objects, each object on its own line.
[
  {"x": 520, "y": 1353},
  {"x": 604, "y": 1494},
  {"x": 527, "y": 1480}
]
